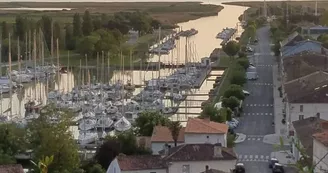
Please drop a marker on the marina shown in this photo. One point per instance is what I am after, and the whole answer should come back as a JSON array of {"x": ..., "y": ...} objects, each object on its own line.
[{"x": 226, "y": 35}]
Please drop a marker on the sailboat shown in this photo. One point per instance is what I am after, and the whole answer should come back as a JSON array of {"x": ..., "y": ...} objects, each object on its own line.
[{"x": 122, "y": 125}]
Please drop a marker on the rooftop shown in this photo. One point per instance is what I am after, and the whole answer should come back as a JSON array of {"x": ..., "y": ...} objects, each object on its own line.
[
  {"x": 305, "y": 45},
  {"x": 198, "y": 152},
  {"x": 196, "y": 125},
  {"x": 311, "y": 88},
  {"x": 305, "y": 129},
  {"x": 186, "y": 152},
  {"x": 15, "y": 168},
  {"x": 140, "y": 162},
  {"x": 322, "y": 137},
  {"x": 291, "y": 39},
  {"x": 163, "y": 134},
  {"x": 304, "y": 63}
]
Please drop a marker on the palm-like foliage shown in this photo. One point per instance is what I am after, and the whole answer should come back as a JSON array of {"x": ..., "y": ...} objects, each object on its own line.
[{"x": 175, "y": 128}]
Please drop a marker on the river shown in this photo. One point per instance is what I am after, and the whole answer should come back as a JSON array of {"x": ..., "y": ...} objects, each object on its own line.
[{"x": 199, "y": 46}]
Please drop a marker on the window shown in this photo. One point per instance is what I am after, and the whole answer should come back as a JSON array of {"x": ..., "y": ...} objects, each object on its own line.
[
  {"x": 300, "y": 117},
  {"x": 185, "y": 169},
  {"x": 301, "y": 108}
]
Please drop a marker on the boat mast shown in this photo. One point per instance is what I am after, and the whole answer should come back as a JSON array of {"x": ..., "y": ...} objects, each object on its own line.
[
  {"x": 19, "y": 58},
  {"x": 52, "y": 45},
  {"x": 10, "y": 81},
  {"x": 30, "y": 46},
  {"x": 26, "y": 49},
  {"x": 68, "y": 81},
  {"x": 131, "y": 66},
  {"x": 102, "y": 67},
  {"x": 57, "y": 54},
  {"x": 97, "y": 77},
  {"x": 1, "y": 58},
  {"x": 34, "y": 59},
  {"x": 159, "y": 51},
  {"x": 80, "y": 74},
  {"x": 108, "y": 64}
]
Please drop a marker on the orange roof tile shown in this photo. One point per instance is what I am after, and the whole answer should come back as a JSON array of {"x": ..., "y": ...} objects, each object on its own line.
[
  {"x": 163, "y": 134},
  {"x": 322, "y": 137},
  {"x": 196, "y": 125}
]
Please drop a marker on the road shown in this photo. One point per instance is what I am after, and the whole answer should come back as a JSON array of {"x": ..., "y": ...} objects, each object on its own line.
[{"x": 257, "y": 117}]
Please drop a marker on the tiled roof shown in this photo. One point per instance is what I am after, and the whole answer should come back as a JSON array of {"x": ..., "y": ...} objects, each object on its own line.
[
  {"x": 16, "y": 168},
  {"x": 306, "y": 45},
  {"x": 163, "y": 134},
  {"x": 305, "y": 129},
  {"x": 322, "y": 137},
  {"x": 198, "y": 152},
  {"x": 140, "y": 162},
  {"x": 195, "y": 125},
  {"x": 186, "y": 152},
  {"x": 308, "y": 89},
  {"x": 304, "y": 63},
  {"x": 213, "y": 171}
]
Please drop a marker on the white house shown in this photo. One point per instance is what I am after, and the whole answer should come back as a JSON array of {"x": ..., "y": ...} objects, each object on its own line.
[
  {"x": 306, "y": 97},
  {"x": 320, "y": 152},
  {"x": 114, "y": 167},
  {"x": 197, "y": 131},
  {"x": 187, "y": 158}
]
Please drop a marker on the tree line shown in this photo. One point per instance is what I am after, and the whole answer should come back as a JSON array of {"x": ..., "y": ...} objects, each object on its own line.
[{"x": 87, "y": 34}]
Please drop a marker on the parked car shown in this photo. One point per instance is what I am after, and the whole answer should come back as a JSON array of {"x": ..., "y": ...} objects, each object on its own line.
[
  {"x": 239, "y": 168},
  {"x": 246, "y": 93},
  {"x": 278, "y": 168},
  {"x": 249, "y": 49},
  {"x": 235, "y": 121},
  {"x": 231, "y": 125},
  {"x": 272, "y": 162}
]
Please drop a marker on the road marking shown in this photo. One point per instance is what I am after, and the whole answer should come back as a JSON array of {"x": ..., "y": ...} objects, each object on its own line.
[
  {"x": 262, "y": 156},
  {"x": 262, "y": 105},
  {"x": 253, "y": 158},
  {"x": 258, "y": 139},
  {"x": 266, "y": 157},
  {"x": 256, "y": 156},
  {"x": 258, "y": 113}
]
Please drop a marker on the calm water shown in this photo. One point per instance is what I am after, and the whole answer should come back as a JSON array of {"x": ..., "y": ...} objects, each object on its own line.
[{"x": 198, "y": 46}]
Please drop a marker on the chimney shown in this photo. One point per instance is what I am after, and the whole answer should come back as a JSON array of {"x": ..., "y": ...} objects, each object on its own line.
[
  {"x": 166, "y": 150},
  {"x": 217, "y": 150},
  {"x": 206, "y": 169}
]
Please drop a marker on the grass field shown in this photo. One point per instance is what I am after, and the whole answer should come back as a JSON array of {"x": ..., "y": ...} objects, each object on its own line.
[{"x": 168, "y": 13}]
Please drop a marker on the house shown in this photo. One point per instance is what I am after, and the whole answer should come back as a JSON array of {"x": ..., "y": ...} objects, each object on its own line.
[
  {"x": 15, "y": 168},
  {"x": 188, "y": 158},
  {"x": 197, "y": 131},
  {"x": 161, "y": 136},
  {"x": 305, "y": 45},
  {"x": 114, "y": 167},
  {"x": 320, "y": 151},
  {"x": 302, "y": 64},
  {"x": 314, "y": 31},
  {"x": 291, "y": 40},
  {"x": 303, "y": 130},
  {"x": 306, "y": 97}
]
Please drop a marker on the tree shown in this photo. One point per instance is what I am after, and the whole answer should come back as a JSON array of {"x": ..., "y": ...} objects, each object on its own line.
[
  {"x": 146, "y": 122},
  {"x": 4, "y": 30},
  {"x": 238, "y": 78},
  {"x": 86, "y": 45},
  {"x": 244, "y": 62},
  {"x": 96, "y": 169},
  {"x": 231, "y": 102},
  {"x": 20, "y": 27},
  {"x": 13, "y": 140},
  {"x": 107, "y": 152},
  {"x": 213, "y": 114},
  {"x": 57, "y": 33},
  {"x": 69, "y": 40},
  {"x": 77, "y": 29},
  {"x": 236, "y": 91},
  {"x": 46, "y": 24},
  {"x": 50, "y": 139},
  {"x": 87, "y": 24},
  {"x": 97, "y": 24},
  {"x": 175, "y": 128},
  {"x": 231, "y": 48},
  {"x": 44, "y": 163},
  {"x": 323, "y": 38}
]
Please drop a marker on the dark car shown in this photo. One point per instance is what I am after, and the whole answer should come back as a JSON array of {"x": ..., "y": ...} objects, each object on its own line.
[
  {"x": 239, "y": 168},
  {"x": 278, "y": 168},
  {"x": 256, "y": 41},
  {"x": 272, "y": 162}
]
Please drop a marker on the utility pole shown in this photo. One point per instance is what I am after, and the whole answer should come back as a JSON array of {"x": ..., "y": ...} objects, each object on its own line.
[{"x": 316, "y": 8}]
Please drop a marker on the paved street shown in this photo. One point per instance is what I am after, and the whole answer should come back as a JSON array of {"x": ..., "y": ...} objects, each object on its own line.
[{"x": 257, "y": 117}]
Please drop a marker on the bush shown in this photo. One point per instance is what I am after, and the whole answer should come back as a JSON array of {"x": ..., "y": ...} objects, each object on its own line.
[
  {"x": 244, "y": 62},
  {"x": 238, "y": 78},
  {"x": 231, "y": 140},
  {"x": 236, "y": 91},
  {"x": 231, "y": 102}
]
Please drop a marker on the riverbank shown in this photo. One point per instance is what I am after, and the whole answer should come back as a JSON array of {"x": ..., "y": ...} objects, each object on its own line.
[
  {"x": 259, "y": 4},
  {"x": 168, "y": 13}
]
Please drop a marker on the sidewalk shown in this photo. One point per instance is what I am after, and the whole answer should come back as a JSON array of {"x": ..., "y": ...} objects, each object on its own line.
[
  {"x": 280, "y": 128},
  {"x": 274, "y": 139}
]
